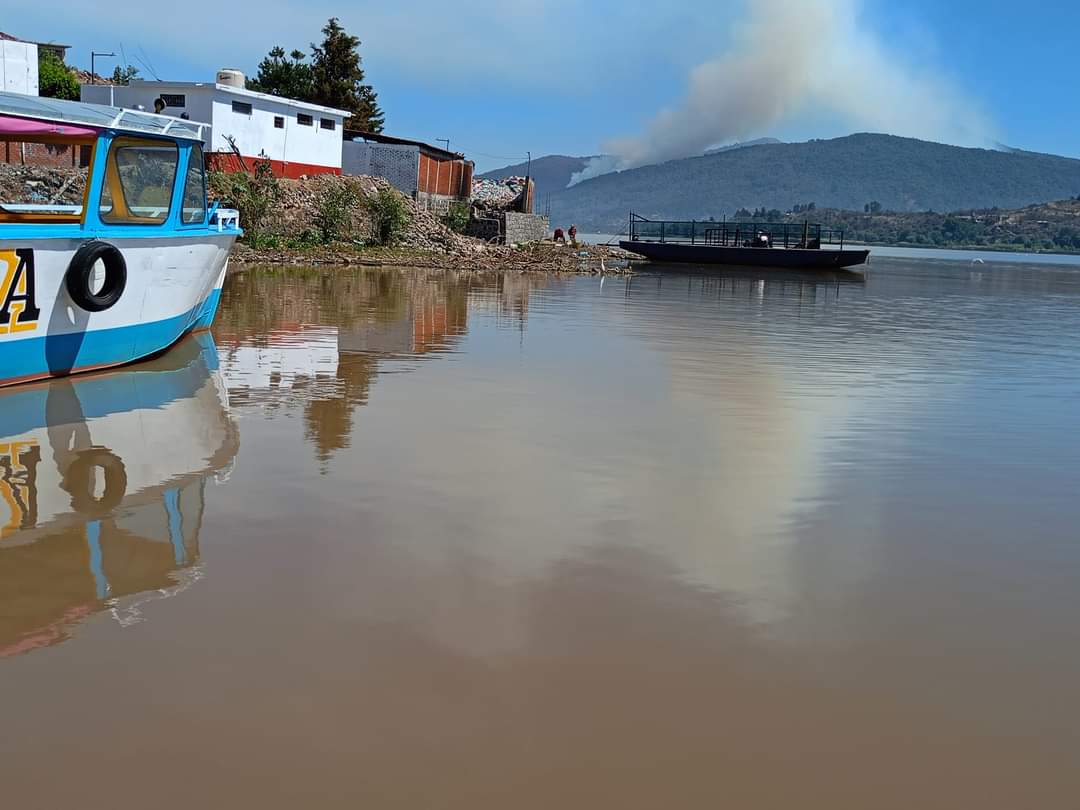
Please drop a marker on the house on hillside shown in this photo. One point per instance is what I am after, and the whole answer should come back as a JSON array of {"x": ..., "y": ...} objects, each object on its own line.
[
  {"x": 297, "y": 138},
  {"x": 432, "y": 176}
]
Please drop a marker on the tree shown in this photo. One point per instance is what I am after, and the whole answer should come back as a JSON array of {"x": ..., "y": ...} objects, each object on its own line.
[
  {"x": 338, "y": 79},
  {"x": 873, "y": 207},
  {"x": 286, "y": 77},
  {"x": 55, "y": 79},
  {"x": 124, "y": 75}
]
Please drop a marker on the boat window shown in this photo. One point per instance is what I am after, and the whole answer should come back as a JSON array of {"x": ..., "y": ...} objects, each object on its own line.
[
  {"x": 139, "y": 179},
  {"x": 194, "y": 211},
  {"x": 43, "y": 182}
]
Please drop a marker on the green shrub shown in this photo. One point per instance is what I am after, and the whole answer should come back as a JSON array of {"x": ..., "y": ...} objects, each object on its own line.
[
  {"x": 55, "y": 79},
  {"x": 389, "y": 216},
  {"x": 333, "y": 213},
  {"x": 253, "y": 195},
  {"x": 457, "y": 218}
]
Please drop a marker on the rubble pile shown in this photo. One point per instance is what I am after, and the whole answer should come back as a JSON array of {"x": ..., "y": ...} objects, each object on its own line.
[
  {"x": 497, "y": 195},
  {"x": 41, "y": 185},
  {"x": 296, "y": 210}
]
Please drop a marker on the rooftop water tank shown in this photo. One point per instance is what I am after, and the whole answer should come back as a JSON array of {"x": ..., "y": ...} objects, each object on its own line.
[{"x": 231, "y": 77}]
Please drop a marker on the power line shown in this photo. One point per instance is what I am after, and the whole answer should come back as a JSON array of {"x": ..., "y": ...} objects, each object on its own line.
[{"x": 469, "y": 151}]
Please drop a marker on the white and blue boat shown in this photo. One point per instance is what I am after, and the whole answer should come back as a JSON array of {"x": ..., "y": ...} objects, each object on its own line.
[{"x": 130, "y": 270}]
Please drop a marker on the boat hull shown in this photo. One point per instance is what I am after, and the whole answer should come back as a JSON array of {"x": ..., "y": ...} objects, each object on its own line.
[
  {"x": 173, "y": 288},
  {"x": 783, "y": 258}
]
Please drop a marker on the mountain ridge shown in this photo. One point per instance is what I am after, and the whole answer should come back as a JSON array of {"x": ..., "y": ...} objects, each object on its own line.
[{"x": 901, "y": 174}]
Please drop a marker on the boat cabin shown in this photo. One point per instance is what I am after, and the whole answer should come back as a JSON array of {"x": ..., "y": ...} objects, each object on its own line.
[{"x": 141, "y": 171}]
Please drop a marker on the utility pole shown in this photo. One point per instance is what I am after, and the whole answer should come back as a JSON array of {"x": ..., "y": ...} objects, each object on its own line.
[
  {"x": 93, "y": 56},
  {"x": 526, "y": 208}
]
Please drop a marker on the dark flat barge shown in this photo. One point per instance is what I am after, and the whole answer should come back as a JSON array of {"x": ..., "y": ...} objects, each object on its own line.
[{"x": 805, "y": 246}]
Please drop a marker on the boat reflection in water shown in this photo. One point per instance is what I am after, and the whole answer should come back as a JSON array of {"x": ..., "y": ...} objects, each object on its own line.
[{"x": 101, "y": 491}]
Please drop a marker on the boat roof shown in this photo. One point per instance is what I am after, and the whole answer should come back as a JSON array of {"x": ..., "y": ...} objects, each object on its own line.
[{"x": 98, "y": 116}]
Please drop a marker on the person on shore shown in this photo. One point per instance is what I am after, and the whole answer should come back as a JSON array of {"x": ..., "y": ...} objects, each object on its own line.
[
  {"x": 573, "y": 235},
  {"x": 559, "y": 237}
]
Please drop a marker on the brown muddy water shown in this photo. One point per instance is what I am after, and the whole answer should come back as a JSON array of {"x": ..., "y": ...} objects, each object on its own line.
[{"x": 425, "y": 541}]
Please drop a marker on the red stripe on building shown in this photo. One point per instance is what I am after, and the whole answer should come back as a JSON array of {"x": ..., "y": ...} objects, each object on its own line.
[{"x": 228, "y": 162}]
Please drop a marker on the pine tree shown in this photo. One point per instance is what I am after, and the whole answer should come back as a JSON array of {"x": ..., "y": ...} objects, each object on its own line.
[
  {"x": 288, "y": 78},
  {"x": 338, "y": 79}
]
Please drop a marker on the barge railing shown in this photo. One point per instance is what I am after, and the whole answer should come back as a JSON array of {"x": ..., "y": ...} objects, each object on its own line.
[{"x": 802, "y": 235}]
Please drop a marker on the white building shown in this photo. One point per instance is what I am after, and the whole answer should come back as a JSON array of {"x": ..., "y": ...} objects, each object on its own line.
[
  {"x": 296, "y": 137},
  {"x": 18, "y": 66}
]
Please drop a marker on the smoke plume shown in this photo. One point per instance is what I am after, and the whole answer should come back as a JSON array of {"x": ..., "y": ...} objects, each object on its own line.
[{"x": 792, "y": 57}]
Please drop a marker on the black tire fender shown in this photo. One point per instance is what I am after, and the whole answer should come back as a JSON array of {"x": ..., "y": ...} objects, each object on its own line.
[
  {"x": 80, "y": 274},
  {"x": 78, "y": 481}
]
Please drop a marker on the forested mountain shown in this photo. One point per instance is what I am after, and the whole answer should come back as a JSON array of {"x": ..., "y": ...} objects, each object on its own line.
[{"x": 898, "y": 174}]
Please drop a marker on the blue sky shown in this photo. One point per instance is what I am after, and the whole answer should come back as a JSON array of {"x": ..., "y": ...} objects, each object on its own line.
[{"x": 567, "y": 76}]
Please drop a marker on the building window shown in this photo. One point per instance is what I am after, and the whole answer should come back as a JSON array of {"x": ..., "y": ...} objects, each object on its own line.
[
  {"x": 279, "y": 122},
  {"x": 139, "y": 179},
  {"x": 194, "y": 210},
  {"x": 304, "y": 120},
  {"x": 174, "y": 99},
  {"x": 326, "y": 123},
  {"x": 241, "y": 107}
]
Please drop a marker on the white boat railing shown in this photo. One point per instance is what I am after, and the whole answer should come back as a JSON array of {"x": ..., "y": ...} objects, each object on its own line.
[{"x": 226, "y": 219}]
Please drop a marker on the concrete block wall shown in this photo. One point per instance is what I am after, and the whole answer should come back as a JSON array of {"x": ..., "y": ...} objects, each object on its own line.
[
  {"x": 398, "y": 164},
  {"x": 522, "y": 228},
  {"x": 486, "y": 228}
]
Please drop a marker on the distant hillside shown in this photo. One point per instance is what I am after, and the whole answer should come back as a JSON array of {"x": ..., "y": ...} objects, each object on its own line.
[
  {"x": 1052, "y": 226},
  {"x": 902, "y": 174},
  {"x": 551, "y": 173}
]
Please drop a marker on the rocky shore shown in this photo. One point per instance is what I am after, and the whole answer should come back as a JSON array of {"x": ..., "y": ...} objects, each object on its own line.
[{"x": 288, "y": 235}]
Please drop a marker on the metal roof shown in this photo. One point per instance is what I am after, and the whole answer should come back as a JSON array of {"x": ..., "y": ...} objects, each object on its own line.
[
  {"x": 99, "y": 116},
  {"x": 11, "y": 38},
  {"x": 378, "y": 137}
]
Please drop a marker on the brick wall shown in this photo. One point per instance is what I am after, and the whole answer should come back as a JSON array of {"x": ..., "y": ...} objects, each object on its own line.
[
  {"x": 60, "y": 156},
  {"x": 447, "y": 178}
]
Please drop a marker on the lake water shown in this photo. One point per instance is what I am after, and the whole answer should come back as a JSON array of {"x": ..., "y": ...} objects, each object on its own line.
[
  {"x": 915, "y": 254},
  {"x": 422, "y": 540}
]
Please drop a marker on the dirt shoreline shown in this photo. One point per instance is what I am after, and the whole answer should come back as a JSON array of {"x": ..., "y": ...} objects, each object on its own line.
[{"x": 534, "y": 258}]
